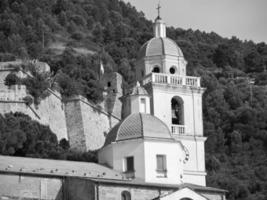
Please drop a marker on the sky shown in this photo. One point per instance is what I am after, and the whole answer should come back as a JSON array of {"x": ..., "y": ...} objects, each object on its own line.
[{"x": 245, "y": 19}]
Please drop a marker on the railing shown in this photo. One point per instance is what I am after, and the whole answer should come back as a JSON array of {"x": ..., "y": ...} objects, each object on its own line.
[
  {"x": 172, "y": 79},
  {"x": 129, "y": 174},
  {"x": 178, "y": 129}
]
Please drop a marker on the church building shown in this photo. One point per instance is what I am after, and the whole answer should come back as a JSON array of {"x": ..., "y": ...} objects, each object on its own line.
[{"x": 156, "y": 152}]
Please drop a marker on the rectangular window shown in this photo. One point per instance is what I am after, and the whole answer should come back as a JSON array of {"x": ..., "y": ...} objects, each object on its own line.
[
  {"x": 161, "y": 166},
  {"x": 143, "y": 105},
  {"x": 161, "y": 162},
  {"x": 129, "y": 164}
]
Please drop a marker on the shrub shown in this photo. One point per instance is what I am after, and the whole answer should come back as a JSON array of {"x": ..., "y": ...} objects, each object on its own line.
[{"x": 12, "y": 79}]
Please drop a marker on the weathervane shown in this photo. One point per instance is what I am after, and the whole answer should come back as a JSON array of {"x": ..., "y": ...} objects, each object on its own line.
[{"x": 158, "y": 8}]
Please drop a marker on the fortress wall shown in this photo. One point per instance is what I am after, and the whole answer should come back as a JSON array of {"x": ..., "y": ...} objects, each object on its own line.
[
  {"x": 113, "y": 87},
  {"x": 51, "y": 112},
  {"x": 75, "y": 125},
  {"x": 84, "y": 118},
  {"x": 95, "y": 124}
]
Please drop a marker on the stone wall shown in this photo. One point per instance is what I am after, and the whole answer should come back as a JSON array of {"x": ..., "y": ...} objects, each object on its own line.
[
  {"x": 14, "y": 187},
  {"x": 80, "y": 189},
  {"x": 113, "y": 192},
  {"x": 49, "y": 112},
  {"x": 87, "y": 124},
  {"x": 26, "y": 187},
  {"x": 83, "y": 123},
  {"x": 113, "y": 92},
  {"x": 75, "y": 126}
]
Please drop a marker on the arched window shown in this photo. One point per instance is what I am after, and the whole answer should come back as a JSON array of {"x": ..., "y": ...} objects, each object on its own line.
[
  {"x": 172, "y": 70},
  {"x": 177, "y": 111},
  {"x": 186, "y": 199},
  {"x": 156, "y": 69},
  {"x": 125, "y": 195}
]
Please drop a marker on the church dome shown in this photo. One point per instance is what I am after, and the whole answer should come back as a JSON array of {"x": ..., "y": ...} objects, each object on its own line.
[
  {"x": 138, "y": 125},
  {"x": 160, "y": 46}
]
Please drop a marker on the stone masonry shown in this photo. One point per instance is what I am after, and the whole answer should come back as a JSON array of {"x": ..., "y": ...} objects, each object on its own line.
[{"x": 83, "y": 123}]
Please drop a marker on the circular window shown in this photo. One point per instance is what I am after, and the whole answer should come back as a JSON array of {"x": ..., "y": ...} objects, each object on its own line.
[{"x": 172, "y": 70}]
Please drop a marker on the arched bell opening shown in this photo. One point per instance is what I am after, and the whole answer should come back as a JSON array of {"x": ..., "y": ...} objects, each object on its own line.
[{"x": 177, "y": 106}]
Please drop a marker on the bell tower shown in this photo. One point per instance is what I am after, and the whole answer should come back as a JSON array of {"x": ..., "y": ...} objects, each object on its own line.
[{"x": 176, "y": 98}]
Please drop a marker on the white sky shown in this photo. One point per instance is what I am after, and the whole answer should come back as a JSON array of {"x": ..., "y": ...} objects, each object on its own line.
[{"x": 246, "y": 19}]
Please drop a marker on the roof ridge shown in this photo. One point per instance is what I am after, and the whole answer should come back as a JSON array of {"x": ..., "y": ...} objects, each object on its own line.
[
  {"x": 142, "y": 125},
  {"x": 163, "y": 46},
  {"x": 148, "y": 43},
  {"x": 177, "y": 46}
]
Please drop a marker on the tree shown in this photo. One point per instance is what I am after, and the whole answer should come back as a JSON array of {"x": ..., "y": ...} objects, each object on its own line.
[{"x": 254, "y": 62}]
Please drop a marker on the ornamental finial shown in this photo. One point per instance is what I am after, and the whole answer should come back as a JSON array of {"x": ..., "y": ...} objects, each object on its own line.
[{"x": 158, "y": 8}]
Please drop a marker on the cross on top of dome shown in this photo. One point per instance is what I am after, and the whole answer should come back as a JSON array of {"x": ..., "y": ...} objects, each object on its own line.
[{"x": 158, "y": 8}]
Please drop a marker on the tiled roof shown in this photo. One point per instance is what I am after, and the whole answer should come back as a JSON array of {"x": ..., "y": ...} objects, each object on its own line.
[
  {"x": 140, "y": 182},
  {"x": 160, "y": 46},
  {"x": 58, "y": 168},
  {"x": 138, "y": 125}
]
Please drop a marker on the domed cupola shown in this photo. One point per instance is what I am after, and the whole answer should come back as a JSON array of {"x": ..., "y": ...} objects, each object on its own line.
[
  {"x": 159, "y": 46},
  {"x": 142, "y": 148},
  {"x": 160, "y": 54},
  {"x": 139, "y": 125}
]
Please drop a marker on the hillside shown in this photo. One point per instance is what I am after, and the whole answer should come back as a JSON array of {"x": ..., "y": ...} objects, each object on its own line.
[{"x": 72, "y": 35}]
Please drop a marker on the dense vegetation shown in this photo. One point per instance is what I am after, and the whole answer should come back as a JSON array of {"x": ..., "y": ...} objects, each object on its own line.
[
  {"x": 21, "y": 136},
  {"x": 235, "y": 110}
]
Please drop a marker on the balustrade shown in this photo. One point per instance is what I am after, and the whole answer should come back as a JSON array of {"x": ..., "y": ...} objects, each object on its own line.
[
  {"x": 170, "y": 79},
  {"x": 178, "y": 129}
]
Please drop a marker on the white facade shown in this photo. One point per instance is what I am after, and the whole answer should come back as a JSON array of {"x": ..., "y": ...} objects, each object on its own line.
[
  {"x": 166, "y": 85},
  {"x": 174, "y": 162},
  {"x": 184, "y": 193},
  {"x": 145, "y": 163},
  {"x": 176, "y": 100},
  {"x": 136, "y": 104}
]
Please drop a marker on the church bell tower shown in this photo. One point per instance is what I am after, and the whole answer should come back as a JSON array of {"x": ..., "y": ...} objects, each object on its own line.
[{"x": 176, "y": 98}]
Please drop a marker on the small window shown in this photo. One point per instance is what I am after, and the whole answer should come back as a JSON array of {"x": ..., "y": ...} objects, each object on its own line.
[
  {"x": 129, "y": 164},
  {"x": 156, "y": 69},
  {"x": 142, "y": 73},
  {"x": 109, "y": 84},
  {"x": 125, "y": 195},
  {"x": 172, "y": 70},
  {"x": 161, "y": 163},
  {"x": 143, "y": 105},
  {"x": 161, "y": 166}
]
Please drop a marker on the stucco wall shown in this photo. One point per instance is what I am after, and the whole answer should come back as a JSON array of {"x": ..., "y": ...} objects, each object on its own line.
[
  {"x": 130, "y": 148},
  {"x": 105, "y": 156},
  {"x": 174, "y": 161},
  {"x": 162, "y": 97}
]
